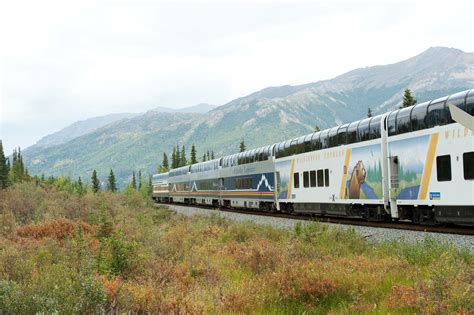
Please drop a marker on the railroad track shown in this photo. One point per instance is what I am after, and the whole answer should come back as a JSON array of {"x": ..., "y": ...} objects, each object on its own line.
[{"x": 445, "y": 229}]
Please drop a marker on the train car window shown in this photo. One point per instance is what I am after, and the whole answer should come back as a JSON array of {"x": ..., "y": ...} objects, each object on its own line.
[
  {"x": 287, "y": 150},
  {"x": 307, "y": 143},
  {"x": 403, "y": 120},
  {"x": 418, "y": 115},
  {"x": 458, "y": 100},
  {"x": 279, "y": 151},
  {"x": 437, "y": 114},
  {"x": 470, "y": 103},
  {"x": 300, "y": 145},
  {"x": 443, "y": 168},
  {"x": 352, "y": 132},
  {"x": 320, "y": 178},
  {"x": 468, "y": 164},
  {"x": 312, "y": 178},
  {"x": 332, "y": 137},
  {"x": 363, "y": 130},
  {"x": 305, "y": 179},
  {"x": 324, "y": 139},
  {"x": 315, "y": 141},
  {"x": 296, "y": 180},
  {"x": 391, "y": 123},
  {"x": 374, "y": 127},
  {"x": 326, "y": 177},
  {"x": 342, "y": 134},
  {"x": 292, "y": 148}
]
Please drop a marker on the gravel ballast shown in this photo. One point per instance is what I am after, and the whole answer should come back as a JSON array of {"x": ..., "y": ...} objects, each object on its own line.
[{"x": 373, "y": 233}]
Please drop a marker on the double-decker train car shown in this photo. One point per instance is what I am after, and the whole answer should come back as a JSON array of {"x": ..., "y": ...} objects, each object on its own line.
[
  {"x": 160, "y": 188},
  {"x": 414, "y": 163}
]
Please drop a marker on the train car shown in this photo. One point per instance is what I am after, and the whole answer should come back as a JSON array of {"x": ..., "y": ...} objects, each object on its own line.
[
  {"x": 179, "y": 186},
  {"x": 247, "y": 179},
  {"x": 414, "y": 163},
  {"x": 204, "y": 183},
  {"x": 161, "y": 188}
]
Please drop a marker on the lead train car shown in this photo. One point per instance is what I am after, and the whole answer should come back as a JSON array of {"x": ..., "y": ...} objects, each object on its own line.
[{"x": 414, "y": 163}]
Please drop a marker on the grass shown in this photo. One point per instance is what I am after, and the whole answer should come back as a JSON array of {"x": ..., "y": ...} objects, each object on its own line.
[{"x": 117, "y": 253}]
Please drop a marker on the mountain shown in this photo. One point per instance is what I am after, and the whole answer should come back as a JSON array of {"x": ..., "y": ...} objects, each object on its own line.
[
  {"x": 79, "y": 128},
  {"x": 199, "y": 109},
  {"x": 264, "y": 117}
]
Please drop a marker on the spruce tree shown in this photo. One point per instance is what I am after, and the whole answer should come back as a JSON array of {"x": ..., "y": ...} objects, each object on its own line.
[
  {"x": 140, "y": 179},
  {"x": 369, "y": 112},
  {"x": 242, "y": 146},
  {"x": 193, "y": 154},
  {"x": 80, "y": 186},
  {"x": 3, "y": 168},
  {"x": 208, "y": 155},
  {"x": 317, "y": 129},
  {"x": 95, "y": 182},
  {"x": 111, "y": 186},
  {"x": 150, "y": 186},
  {"x": 204, "y": 157},
  {"x": 178, "y": 157},
  {"x": 408, "y": 99},
  {"x": 165, "y": 163},
  {"x": 134, "y": 181},
  {"x": 212, "y": 155},
  {"x": 173, "y": 158},
  {"x": 183, "y": 161}
]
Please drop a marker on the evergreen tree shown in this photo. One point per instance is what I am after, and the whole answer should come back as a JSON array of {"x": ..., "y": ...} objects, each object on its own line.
[
  {"x": 111, "y": 186},
  {"x": 3, "y": 168},
  {"x": 182, "y": 160},
  {"x": 369, "y": 112},
  {"x": 178, "y": 157},
  {"x": 134, "y": 181},
  {"x": 317, "y": 129},
  {"x": 212, "y": 155},
  {"x": 150, "y": 186},
  {"x": 80, "y": 186},
  {"x": 165, "y": 164},
  {"x": 204, "y": 157},
  {"x": 242, "y": 146},
  {"x": 173, "y": 158},
  {"x": 208, "y": 155},
  {"x": 193, "y": 154},
  {"x": 140, "y": 179},
  {"x": 95, "y": 182},
  {"x": 408, "y": 99}
]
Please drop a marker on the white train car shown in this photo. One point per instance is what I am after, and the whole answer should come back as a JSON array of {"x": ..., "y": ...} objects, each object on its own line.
[
  {"x": 179, "y": 185},
  {"x": 204, "y": 183},
  {"x": 247, "y": 179},
  {"x": 414, "y": 163},
  {"x": 160, "y": 188}
]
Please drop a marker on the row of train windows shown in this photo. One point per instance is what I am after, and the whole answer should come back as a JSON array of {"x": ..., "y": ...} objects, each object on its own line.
[
  {"x": 358, "y": 131},
  {"x": 319, "y": 178},
  {"x": 429, "y": 114},
  {"x": 443, "y": 167},
  {"x": 255, "y": 155},
  {"x": 243, "y": 183}
]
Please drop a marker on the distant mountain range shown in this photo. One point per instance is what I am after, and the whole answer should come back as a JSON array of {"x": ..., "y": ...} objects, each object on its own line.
[{"x": 273, "y": 114}]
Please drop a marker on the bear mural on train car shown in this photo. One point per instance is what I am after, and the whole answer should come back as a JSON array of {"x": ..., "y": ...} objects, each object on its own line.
[
  {"x": 365, "y": 173},
  {"x": 357, "y": 179}
]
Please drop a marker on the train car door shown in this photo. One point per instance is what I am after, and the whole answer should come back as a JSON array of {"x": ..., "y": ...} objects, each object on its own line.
[{"x": 394, "y": 184}]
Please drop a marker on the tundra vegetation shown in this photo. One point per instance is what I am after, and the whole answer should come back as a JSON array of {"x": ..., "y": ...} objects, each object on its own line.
[{"x": 68, "y": 252}]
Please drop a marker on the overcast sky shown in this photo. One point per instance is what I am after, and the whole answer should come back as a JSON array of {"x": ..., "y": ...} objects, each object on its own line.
[{"x": 61, "y": 62}]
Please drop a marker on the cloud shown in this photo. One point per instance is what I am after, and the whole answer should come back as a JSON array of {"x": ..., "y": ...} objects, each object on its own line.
[{"x": 64, "y": 62}]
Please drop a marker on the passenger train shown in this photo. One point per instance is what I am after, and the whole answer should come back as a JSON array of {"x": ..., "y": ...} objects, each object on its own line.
[{"x": 414, "y": 163}]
